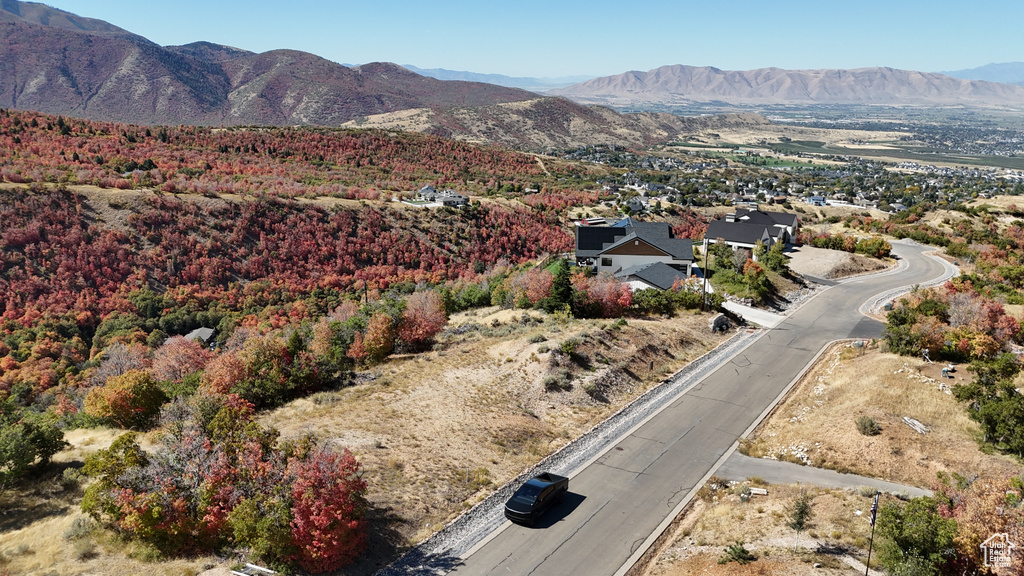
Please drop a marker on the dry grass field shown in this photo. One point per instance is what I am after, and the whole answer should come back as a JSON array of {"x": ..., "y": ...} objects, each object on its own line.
[
  {"x": 437, "y": 432},
  {"x": 721, "y": 518},
  {"x": 816, "y": 423}
]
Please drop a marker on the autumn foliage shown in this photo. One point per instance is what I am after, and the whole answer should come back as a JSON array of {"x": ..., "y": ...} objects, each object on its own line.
[
  {"x": 423, "y": 318},
  {"x": 982, "y": 507},
  {"x": 602, "y": 296},
  {"x": 178, "y": 357},
  {"x": 131, "y": 400},
  {"x": 328, "y": 508},
  {"x": 219, "y": 478},
  {"x": 955, "y": 322},
  {"x": 286, "y": 162}
]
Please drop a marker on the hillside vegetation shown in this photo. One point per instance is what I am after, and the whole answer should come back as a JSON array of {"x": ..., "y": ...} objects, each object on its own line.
[{"x": 118, "y": 240}]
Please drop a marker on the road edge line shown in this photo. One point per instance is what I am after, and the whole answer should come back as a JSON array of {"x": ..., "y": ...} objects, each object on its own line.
[
  {"x": 611, "y": 444},
  {"x": 662, "y": 529}
]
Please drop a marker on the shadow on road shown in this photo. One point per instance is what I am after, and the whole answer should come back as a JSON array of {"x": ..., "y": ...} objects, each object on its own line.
[{"x": 557, "y": 512}]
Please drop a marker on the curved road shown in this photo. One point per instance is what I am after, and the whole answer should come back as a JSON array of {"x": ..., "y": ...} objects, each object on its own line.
[{"x": 620, "y": 499}]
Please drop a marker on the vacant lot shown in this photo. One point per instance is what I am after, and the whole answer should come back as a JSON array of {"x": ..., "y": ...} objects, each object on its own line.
[
  {"x": 831, "y": 264},
  {"x": 817, "y": 422},
  {"x": 838, "y": 526},
  {"x": 435, "y": 432},
  {"x": 816, "y": 425}
]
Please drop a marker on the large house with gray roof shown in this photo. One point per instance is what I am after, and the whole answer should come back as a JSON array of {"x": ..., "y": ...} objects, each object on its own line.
[
  {"x": 432, "y": 198},
  {"x": 629, "y": 244},
  {"x": 745, "y": 228},
  {"x": 657, "y": 275}
]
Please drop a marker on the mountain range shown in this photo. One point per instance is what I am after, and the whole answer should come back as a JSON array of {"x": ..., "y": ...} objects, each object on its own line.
[
  {"x": 679, "y": 84},
  {"x": 57, "y": 62},
  {"x": 1006, "y": 72}
]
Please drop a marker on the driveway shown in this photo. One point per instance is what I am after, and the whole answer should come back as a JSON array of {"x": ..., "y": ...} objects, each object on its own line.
[{"x": 740, "y": 467}]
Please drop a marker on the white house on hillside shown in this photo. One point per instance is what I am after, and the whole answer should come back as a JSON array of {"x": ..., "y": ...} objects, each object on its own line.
[{"x": 432, "y": 197}]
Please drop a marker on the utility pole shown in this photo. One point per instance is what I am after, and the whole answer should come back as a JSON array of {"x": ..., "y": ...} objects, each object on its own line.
[
  {"x": 704, "y": 273},
  {"x": 871, "y": 542}
]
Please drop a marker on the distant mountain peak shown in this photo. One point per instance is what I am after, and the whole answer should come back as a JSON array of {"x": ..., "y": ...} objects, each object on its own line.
[
  {"x": 1005, "y": 72},
  {"x": 681, "y": 85},
  {"x": 60, "y": 63}
]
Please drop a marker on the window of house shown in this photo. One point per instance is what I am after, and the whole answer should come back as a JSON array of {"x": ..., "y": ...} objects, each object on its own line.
[{"x": 606, "y": 261}]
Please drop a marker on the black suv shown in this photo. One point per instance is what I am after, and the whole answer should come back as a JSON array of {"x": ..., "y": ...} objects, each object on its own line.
[{"x": 535, "y": 496}]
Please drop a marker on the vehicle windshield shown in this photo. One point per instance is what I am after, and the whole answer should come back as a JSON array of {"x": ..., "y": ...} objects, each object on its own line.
[{"x": 527, "y": 494}]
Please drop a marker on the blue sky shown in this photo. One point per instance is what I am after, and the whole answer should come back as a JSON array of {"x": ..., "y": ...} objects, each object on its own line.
[{"x": 592, "y": 37}]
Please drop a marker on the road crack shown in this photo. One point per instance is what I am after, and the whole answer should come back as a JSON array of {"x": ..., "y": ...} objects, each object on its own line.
[{"x": 571, "y": 536}]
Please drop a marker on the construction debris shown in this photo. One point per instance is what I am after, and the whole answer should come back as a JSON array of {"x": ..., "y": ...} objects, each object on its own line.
[{"x": 917, "y": 426}]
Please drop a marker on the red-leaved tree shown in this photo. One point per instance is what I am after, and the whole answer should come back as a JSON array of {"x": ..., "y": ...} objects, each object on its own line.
[
  {"x": 423, "y": 318},
  {"x": 178, "y": 357},
  {"x": 328, "y": 510},
  {"x": 602, "y": 296},
  {"x": 223, "y": 372}
]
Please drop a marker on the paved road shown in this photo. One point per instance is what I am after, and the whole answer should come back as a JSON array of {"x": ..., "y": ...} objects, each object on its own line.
[
  {"x": 740, "y": 467},
  {"x": 617, "y": 502}
]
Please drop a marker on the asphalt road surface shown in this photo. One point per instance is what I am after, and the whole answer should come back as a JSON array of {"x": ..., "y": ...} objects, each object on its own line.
[{"x": 615, "y": 503}]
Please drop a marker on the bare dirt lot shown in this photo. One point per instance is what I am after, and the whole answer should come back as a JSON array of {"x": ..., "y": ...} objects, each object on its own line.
[
  {"x": 831, "y": 264},
  {"x": 816, "y": 423},
  {"x": 720, "y": 518}
]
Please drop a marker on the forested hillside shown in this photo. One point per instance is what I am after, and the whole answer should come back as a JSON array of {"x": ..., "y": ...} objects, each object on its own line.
[
  {"x": 244, "y": 250},
  {"x": 117, "y": 240},
  {"x": 275, "y": 161}
]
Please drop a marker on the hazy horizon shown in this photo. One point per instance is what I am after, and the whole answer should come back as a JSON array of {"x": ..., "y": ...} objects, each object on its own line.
[{"x": 595, "y": 38}]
